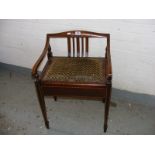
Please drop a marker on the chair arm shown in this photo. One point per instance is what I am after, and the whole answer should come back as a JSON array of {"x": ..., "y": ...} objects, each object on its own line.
[
  {"x": 108, "y": 65},
  {"x": 108, "y": 70},
  {"x": 39, "y": 61}
]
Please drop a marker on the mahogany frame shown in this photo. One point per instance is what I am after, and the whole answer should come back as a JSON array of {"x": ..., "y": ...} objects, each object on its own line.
[{"x": 55, "y": 89}]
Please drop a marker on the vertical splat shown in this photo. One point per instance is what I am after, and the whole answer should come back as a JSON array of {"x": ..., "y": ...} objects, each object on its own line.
[
  {"x": 87, "y": 46},
  {"x": 78, "y": 46},
  {"x": 82, "y": 42},
  {"x": 73, "y": 46},
  {"x": 69, "y": 46}
]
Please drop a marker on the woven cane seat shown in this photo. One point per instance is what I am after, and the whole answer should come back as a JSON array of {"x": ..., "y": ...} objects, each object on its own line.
[{"x": 81, "y": 70}]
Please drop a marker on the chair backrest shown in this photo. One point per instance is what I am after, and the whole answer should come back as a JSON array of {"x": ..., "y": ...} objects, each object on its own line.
[{"x": 78, "y": 41}]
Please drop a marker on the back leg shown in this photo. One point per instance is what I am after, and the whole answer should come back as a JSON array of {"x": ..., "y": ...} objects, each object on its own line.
[{"x": 55, "y": 98}]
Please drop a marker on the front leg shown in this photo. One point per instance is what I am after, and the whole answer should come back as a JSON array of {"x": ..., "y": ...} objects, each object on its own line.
[{"x": 42, "y": 102}]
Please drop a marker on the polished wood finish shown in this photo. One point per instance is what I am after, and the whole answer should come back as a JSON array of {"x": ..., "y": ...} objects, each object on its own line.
[{"x": 78, "y": 46}]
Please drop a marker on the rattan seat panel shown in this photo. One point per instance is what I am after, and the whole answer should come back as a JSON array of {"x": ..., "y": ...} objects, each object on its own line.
[{"x": 81, "y": 70}]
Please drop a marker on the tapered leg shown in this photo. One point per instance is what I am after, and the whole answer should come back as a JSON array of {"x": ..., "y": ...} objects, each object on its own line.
[
  {"x": 42, "y": 103},
  {"x": 55, "y": 98},
  {"x": 107, "y": 105}
]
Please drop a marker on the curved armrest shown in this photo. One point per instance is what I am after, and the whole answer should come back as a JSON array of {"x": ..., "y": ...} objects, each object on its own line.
[{"x": 39, "y": 61}]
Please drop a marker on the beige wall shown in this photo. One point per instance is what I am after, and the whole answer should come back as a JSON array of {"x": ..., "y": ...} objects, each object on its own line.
[{"x": 132, "y": 47}]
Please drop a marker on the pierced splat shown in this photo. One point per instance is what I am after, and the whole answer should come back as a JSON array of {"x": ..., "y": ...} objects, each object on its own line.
[{"x": 78, "y": 45}]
